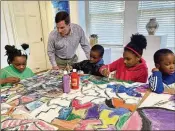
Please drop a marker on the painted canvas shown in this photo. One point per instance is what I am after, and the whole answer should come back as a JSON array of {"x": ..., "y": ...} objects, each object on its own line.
[
  {"x": 61, "y": 5},
  {"x": 157, "y": 112},
  {"x": 105, "y": 105}
]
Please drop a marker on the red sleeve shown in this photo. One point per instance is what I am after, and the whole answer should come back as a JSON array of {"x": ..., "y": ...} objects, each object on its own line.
[
  {"x": 143, "y": 76},
  {"x": 113, "y": 66}
]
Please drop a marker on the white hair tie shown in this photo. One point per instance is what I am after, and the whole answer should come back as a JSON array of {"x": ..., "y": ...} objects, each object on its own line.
[{"x": 23, "y": 52}]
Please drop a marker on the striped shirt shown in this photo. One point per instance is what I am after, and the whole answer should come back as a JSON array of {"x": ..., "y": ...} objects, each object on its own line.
[
  {"x": 158, "y": 82},
  {"x": 65, "y": 47}
]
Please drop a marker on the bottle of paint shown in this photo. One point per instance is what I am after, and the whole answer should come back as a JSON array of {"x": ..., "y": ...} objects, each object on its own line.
[
  {"x": 74, "y": 79},
  {"x": 66, "y": 82}
]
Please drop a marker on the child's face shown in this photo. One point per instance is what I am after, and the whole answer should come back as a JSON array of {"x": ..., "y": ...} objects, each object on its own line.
[
  {"x": 130, "y": 59},
  {"x": 94, "y": 57},
  {"x": 19, "y": 63},
  {"x": 167, "y": 64}
]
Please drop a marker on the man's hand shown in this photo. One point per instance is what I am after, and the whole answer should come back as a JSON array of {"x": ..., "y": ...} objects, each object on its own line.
[
  {"x": 55, "y": 68},
  {"x": 155, "y": 69},
  {"x": 68, "y": 68},
  {"x": 105, "y": 72},
  {"x": 11, "y": 80}
]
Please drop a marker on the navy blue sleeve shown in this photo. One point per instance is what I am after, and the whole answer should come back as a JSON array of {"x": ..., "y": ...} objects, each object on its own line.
[
  {"x": 78, "y": 66},
  {"x": 155, "y": 82}
]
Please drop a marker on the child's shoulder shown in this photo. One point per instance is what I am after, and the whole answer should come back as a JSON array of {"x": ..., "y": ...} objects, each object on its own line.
[
  {"x": 6, "y": 68},
  {"x": 28, "y": 69},
  {"x": 29, "y": 72}
]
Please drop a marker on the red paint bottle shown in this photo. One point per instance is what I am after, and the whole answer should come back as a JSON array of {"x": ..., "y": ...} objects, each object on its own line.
[{"x": 74, "y": 79}]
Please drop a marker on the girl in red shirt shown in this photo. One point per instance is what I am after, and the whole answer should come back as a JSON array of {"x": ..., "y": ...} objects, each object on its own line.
[{"x": 132, "y": 67}]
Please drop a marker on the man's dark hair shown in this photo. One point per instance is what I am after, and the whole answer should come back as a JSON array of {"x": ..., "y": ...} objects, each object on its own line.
[
  {"x": 62, "y": 15},
  {"x": 158, "y": 54},
  {"x": 98, "y": 48}
]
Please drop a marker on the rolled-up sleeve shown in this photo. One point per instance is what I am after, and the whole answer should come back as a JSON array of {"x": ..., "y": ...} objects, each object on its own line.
[
  {"x": 85, "y": 44},
  {"x": 51, "y": 50}
]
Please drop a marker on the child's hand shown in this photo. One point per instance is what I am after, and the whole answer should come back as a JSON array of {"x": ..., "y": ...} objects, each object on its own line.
[
  {"x": 105, "y": 72},
  {"x": 68, "y": 67},
  {"x": 12, "y": 80},
  {"x": 155, "y": 69}
]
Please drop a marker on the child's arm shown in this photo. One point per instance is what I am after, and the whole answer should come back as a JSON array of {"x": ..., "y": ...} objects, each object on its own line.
[
  {"x": 11, "y": 80},
  {"x": 95, "y": 70},
  {"x": 155, "y": 82},
  {"x": 5, "y": 79},
  {"x": 78, "y": 66}
]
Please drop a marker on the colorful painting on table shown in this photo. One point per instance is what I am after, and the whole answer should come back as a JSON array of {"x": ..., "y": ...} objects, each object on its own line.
[
  {"x": 157, "y": 112},
  {"x": 103, "y": 106}
]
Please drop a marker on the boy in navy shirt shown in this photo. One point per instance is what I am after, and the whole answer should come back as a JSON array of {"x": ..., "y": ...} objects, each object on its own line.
[
  {"x": 164, "y": 73},
  {"x": 93, "y": 65}
]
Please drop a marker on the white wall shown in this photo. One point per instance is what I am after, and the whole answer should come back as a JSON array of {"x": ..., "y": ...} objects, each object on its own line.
[
  {"x": 4, "y": 40},
  {"x": 78, "y": 17},
  {"x": 130, "y": 20}
]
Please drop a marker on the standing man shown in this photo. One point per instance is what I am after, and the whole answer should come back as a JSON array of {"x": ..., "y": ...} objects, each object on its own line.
[{"x": 64, "y": 41}]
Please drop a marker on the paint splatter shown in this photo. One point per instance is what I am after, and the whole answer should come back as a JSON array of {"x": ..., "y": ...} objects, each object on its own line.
[
  {"x": 134, "y": 123},
  {"x": 68, "y": 125},
  {"x": 122, "y": 120},
  {"x": 64, "y": 113},
  {"x": 92, "y": 112},
  {"x": 80, "y": 112},
  {"x": 76, "y": 104},
  {"x": 117, "y": 103},
  {"x": 115, "y": 111},
  {"x": 160, "y": 118},
  {"x": 117, "y": 88},
  {"x": 104, "y": 117},
  {"x": 72, "y": 117},
  {"x": 88, "y": 124},
  {"x": 172, "y": 98}
]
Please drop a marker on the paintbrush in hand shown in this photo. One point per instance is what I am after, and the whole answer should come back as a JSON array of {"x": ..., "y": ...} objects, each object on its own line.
[
  {"x": 108, "y": 71},
  {"x": 68, "y": 68}
]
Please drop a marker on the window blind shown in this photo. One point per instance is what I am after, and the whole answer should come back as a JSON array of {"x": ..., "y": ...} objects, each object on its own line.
[
  {"x": 106, "y": 19},
  {"x": 164, "y": 12}
]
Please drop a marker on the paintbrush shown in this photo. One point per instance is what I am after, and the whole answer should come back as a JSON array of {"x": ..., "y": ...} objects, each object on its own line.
[
  {"x": 68, "y": 68},
  {"x": 108, "y": 71}
]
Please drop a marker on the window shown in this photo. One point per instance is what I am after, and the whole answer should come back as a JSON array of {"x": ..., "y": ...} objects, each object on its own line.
[
  {"x": 164, "y": 12},
  {"x": 106, "y": 19}
]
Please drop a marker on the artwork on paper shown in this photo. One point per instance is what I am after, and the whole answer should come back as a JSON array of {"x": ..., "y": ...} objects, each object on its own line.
[
  {"x": 26, "y": 124},
  {"x": 157, "y": 112},
  {"x": 88, "y": 109},
  {"x": 107, "y": 106},
  {"x": 60, "y": 5},
  {"x": 33, "y": 105}
]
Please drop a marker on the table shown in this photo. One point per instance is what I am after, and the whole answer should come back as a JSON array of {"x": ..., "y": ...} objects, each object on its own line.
[{"x": 41, "y": 105}]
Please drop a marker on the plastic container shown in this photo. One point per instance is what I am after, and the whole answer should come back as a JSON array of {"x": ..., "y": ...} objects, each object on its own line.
[
  {"x": 74, "y": 80},
  {"x": 66, "y": 82}
]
